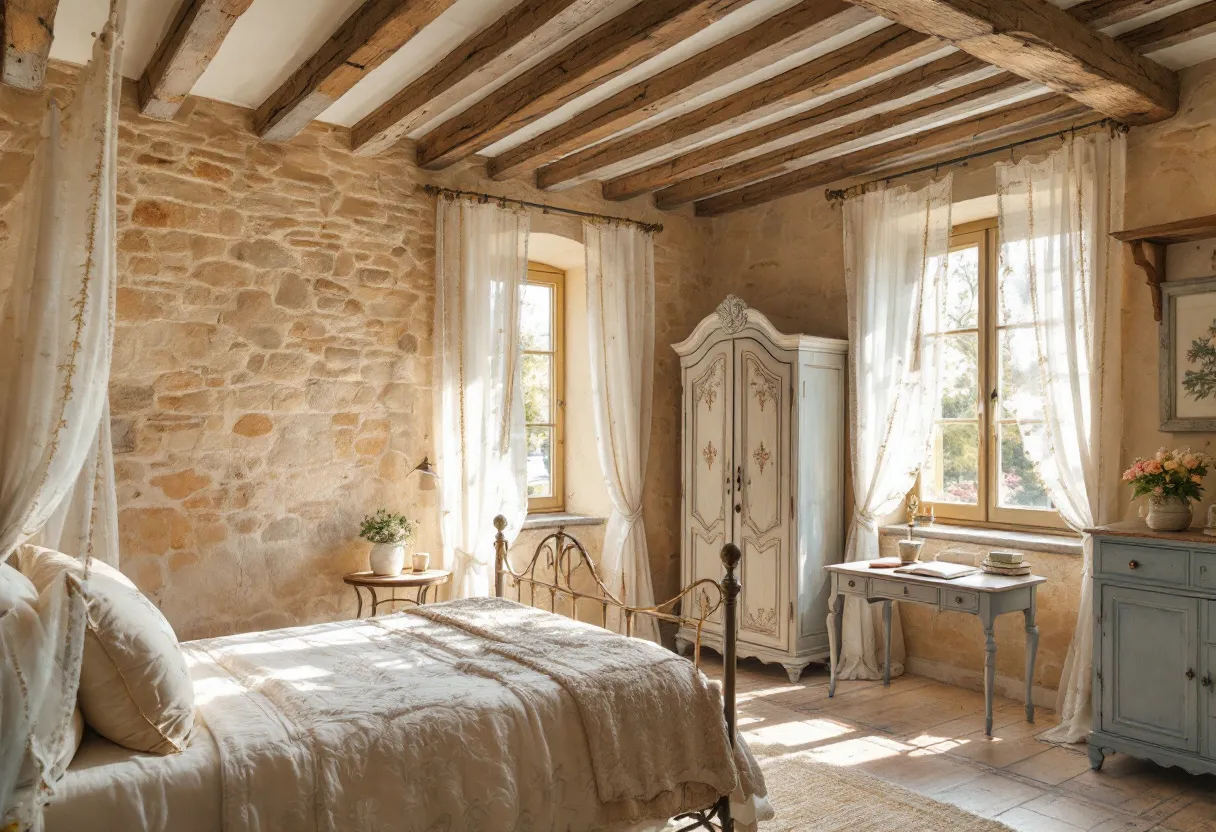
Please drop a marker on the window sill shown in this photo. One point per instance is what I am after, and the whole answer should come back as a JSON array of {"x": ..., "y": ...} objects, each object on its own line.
[
  {"x": 1021, "y": 541},
  {"x": 559, "y": 519}
]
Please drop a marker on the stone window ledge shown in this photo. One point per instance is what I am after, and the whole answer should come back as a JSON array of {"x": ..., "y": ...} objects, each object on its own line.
[
  {"x": 559, "y": 519},
  {"x": 1022, "y": 541}
]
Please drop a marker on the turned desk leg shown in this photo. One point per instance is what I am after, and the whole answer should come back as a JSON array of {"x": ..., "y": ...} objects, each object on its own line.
[
  {"x": 835, "y": 634},
  {"x": 1032, "y": 651},
  {"x": 886, "y": 636},
  {"x": 989, "y": 673}
]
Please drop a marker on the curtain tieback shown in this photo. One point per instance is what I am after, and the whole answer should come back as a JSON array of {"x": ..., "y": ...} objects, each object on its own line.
[
  {"x": 865, "y": 520},
  {"x": 630, "y": 517},
  {"x": 470, "y": 559}
]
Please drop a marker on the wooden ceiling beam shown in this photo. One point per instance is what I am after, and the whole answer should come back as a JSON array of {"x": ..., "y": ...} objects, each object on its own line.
[
  {"x": 364, "y": 41},
  {"x": 792, "y": 157},
  {"x": 181, "y": 57},
  {"x": 1170, "y": 31},
  {"x": 472, "y": 66},
  {"x": 1049, "y": 109},
  {"x": 708, "y": 157},
  {"x": 29, "y": 28},
  {"x": 1041, "y": 42},
  {"x": 612, "y": 48},
  {"x": 865, "y": 58},
  {"x": 701, "y": 160},
  {"x": 1101, "y": 13},
  {"x": 799, "y": 27}
]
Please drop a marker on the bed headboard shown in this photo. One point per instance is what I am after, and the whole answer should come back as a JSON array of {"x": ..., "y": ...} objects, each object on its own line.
[{"x": 560, "y": 560}]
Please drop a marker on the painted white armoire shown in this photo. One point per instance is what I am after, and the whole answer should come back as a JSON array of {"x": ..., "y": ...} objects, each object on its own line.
[{"x": 763, "y": 468}]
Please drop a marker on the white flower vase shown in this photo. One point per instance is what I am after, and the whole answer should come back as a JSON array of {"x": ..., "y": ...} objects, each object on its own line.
[
  {"x": 387, "y": 559},
  {"x": 1168, "y": 514}
]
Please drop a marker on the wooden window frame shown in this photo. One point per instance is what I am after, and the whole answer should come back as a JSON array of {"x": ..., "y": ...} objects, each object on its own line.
[
  {"x": 987, "y": 512},
  {"x": 539, "y": 273}
]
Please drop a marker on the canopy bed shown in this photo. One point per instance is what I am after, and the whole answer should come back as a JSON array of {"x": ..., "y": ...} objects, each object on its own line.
[{"x": 484, "y": 713}]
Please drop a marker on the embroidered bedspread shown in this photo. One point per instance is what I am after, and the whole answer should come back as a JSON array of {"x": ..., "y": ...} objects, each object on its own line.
[{"x": 472, "y": 715}]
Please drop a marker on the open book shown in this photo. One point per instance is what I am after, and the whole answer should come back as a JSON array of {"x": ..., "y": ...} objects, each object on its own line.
[{"x": 938, "y": 569}]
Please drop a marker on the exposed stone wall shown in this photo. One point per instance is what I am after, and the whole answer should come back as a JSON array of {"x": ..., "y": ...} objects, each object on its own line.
[{"x": 272, "y": 377}]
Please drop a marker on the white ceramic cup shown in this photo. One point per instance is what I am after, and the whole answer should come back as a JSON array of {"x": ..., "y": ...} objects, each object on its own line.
[{"x": 421, "y": 561}]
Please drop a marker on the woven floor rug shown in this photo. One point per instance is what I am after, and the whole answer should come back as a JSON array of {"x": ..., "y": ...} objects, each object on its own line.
[{"x": 811, "y": 796}]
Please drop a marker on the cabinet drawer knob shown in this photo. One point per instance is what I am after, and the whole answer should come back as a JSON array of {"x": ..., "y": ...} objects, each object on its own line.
[
  {"x": 1203, "y": 570},
  {"x": 852, "y": 583},
  {"x": 738, "y": 508},
  {"x": 905, "y": 590},
  {"x": 958, "y": 599},
  {"x": 1190, "y": 673},
  {"x": 1133, "y": 564},
  {"x": 1206, "y": 681}
]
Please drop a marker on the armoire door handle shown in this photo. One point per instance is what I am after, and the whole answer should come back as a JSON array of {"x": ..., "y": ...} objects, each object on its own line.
[
  {"x": 1206, "y": 681},
  {"x": 1190, "y": 673},
  {"x": 738, "y": 508}
]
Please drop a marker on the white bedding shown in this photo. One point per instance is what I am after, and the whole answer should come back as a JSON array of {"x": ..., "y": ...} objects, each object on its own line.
[{"x": 412, "y": 723}]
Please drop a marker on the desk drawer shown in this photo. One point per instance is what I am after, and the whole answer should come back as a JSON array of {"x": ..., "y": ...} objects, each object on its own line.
[
  {"x": 1203, "y": 570},
  {"x": 960, "y": 599},
  {"x": 854, "y": 585},
  {"x": 1144, "y": 563},
  {"x": 898, "y": 590}
]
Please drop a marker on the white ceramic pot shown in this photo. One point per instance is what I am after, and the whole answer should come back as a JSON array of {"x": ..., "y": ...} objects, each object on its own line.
[
  {"x": 387, "y": 559},
  {"x": 909, "y": 550},
  {"x": 1168, "y": 514}
]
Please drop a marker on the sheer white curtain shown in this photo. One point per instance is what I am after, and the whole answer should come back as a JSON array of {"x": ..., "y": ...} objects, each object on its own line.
[
  {"x": 896, "y": 243},
  {"x": 620, "y": 324},
  {"x": 481, "y": 264},
  {"x": 1056, "y": 253},
  {"x": 56, "y": 472}
]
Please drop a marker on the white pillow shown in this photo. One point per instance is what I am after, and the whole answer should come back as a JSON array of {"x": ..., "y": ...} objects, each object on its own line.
[
  {"x": 19, "y": 599},
  {"x": 14, "y": 588},
  {"x": 135, "y": 689}
]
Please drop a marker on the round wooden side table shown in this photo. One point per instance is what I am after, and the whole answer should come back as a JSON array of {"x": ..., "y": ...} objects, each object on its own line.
[{"x": 421, "y": 581}]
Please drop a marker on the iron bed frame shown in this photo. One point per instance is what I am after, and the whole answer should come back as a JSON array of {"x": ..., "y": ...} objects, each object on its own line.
[{"x": 565, "y": 556}]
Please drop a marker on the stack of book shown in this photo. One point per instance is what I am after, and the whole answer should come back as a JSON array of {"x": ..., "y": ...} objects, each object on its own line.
[{"x": 1005, "y": 563}]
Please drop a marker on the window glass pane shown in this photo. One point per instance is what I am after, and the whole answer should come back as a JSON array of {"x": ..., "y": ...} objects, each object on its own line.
[
  {"x": 952, "y": 473},
  {"x": 1013, "y": 290},
  {"x": 1019, "y": 366},
  {"x": 540, "y": 462},
  {"x": 1018, "y": 483},
  {"x": 960, "y": 380},
  {"x": 961, "y": 298},
  {"x": 536, "y": 317},
  {"x": 538, "y": 387}
]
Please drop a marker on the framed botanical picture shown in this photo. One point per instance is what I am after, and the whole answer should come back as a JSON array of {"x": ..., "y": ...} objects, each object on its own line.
[{"x": 1188, "y": 355}]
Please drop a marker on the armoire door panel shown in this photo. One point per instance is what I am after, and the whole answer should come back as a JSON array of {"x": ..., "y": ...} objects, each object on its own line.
[
  {"x": 764, "y": 604},
  {"x": 709, "y": 436},
  {"x": 762, "y": 529},
  {"x": 762, "y": 439}
]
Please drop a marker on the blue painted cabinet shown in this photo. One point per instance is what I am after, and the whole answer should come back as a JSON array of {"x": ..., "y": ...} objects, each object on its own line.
[{"x": 1154, "y": 646}]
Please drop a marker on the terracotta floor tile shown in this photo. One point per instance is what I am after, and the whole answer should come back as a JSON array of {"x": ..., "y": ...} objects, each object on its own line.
[
  {"x": 1079, "y": 813},
  {"x": 1024, "y": 820},
  {"x": 989, "y": 795},
  {"x": 1053, "y": 766}
]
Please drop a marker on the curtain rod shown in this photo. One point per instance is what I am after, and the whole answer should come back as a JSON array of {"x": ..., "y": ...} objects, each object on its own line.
[
  {"x": 435, "y": 190},
  {"x": 855, "y": 190}
]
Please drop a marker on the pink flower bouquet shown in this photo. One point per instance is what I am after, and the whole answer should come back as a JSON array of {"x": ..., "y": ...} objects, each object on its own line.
[{"x": 1175, "y": 473}]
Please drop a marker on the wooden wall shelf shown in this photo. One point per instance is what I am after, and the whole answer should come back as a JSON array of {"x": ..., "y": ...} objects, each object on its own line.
[{"x": 1155, "y": 238}]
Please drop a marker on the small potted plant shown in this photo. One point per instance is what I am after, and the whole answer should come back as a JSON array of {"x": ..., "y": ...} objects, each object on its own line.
[
  {"x": 1170, "y": 480},
  {"x": 388, "y": 532}
]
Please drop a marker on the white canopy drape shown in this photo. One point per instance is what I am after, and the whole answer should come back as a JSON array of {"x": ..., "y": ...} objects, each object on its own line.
[
  {"x": 620, "y": 324},
  {"x": 1056, "y": 252},
  {"x": 56, "y": 471},
  {"x": 896, "y": 244},
  {"x": 481, "y": 264}
]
